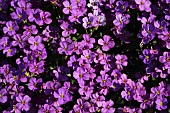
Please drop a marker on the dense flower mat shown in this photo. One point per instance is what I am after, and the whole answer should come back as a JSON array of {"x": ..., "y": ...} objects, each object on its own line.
[{"x": 84, "y": 56}]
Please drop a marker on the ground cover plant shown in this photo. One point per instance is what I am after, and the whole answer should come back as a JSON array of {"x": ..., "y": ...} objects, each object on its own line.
[{"x": 84, "y": 56}]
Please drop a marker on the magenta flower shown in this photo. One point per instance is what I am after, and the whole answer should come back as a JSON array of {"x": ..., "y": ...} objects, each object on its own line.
[
  {"x": 107, "y": 107},
  {"x": 144, "y": 5},
  {"x": 161, "y": 103},
  {"x": 63, "y": 96},
  {"x": 106, "y": 43},
  {"x": 11, "y": 28},
  {"x": 121, "y": 60},
  {"x": 36, "y": 43},
  {"x": 3, "y": 97},
  {"x": 23, "y": 102}
]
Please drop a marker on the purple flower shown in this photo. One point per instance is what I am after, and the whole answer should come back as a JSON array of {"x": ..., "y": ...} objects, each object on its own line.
[
  {"x": 165, "y": 58},
  {"x": 106, "y": 43},
  {"x": 37, "y": 68},
  {"x": 63, "y": 96},
  {"x": 88, "y": 22},
  {"x": 23, "y": 102},
  {"x": 88, "y": 41},
  {"x": 121, "y": 6},
  {"x": 121, "y": 20},
  {"x": 81, "y": 75},
  {"x": 107, "y": 107},
  {"x": 81, "y": 106},
  {"x": 75, "y": 16},
  {"x": 34, "y": 83},
  {"x": 157, "y": 92},
  {"x": 67, "y": 8},
  {"x": 46, "y": 109},
  {"x": 121, "y": 60},
  {"x": 36, "y": 43},
  {"x": 149, "y": 31},
  {"x": 100, "y": 21},
  {"x": 127, "y": 94},
  {"x": 11, "y": 28},
  {"x": 44, "y": 18},
  {"x": 19, "y": 40},
  {"x": 86, "y": 90},
  {"x": 3, "y": 97},
  {"x": 65, "y": 48},
  {"x": 30, "y": 30},
  {"x": 4, "y": 42},
  {"x": 104, "y": 80},
  {"x": 147, "y": 56},
  {"x": 144, "y": 5},
  {"x": 161, "y": 103},
  {"x": 9, "y": 51},
  {"x": 165, "y": 37},
  {"x": 68, "y": 30},
  {"x": 19, "y": 15}
]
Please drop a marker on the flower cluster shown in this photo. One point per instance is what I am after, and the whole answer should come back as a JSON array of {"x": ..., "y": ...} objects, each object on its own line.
[{"x": 84, "y": 56}]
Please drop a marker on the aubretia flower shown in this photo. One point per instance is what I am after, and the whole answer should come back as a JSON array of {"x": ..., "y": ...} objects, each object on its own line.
[
  {"x": 34, "y": 83},
  {"x": 62, "y": 95},
  {"x": 106, "y": 43},
  {"x": 121, "y": 60},
  {"x": 165, "y": 58},
  {"x": 147, "y": 56},
  {"x": 97, "y": 99},
  {"x": 36, "y": 43},
  {"x": 104, "y": 80},
  {"x": 67, "y": 8},
  {"x": 23, "y": 102},
  {"x": 30, "y": 30},
  {"x": 127, "y": 94},
  {"x": 165, "y": 37},
  {"x": 4, "y": 42},
  {"x": 46, "y": 109},
  {"x": 161, "y": 103},
  {"x": 100, "y": 21},
  {"x": 121, "y": 20},
  {"x": 68, "y": 29},
  {"x": 88, "y": 22},
  {"x": 37, "y": 68},
  {"x": 81, "y": 106},
  {"x": 19, "y": 40},
  {"x": 11, "y": 28},
  {"x": 121, "y": 6},
  {"x": 65, "y": 48},
  {"x": 144, "y": 5},
  {"x": 85, "y": 90},
  {"x": 81, "y": 75},
  {"x": 44, "y": 18},
  {"x": 19, "y": 15},
  {"x": 157, "y": 92},
  {"x": 9, "y": 51},
  {"x": 107, "y": 107},
  {"x": 3, "y": 97}
]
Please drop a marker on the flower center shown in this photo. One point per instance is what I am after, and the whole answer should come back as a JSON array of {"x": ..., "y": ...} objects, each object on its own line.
[
  {"x": 157, "y": 92},
  {"x": 9, "y": 50},
  {"x": 80, "y": 75},
  {"x": 35, "y": 43},
  {"x": 19, "y": 16},
  {"x": 22, "y": 102},
  {"x": 10, "y": 28},
  {"x": 61, "y": 96},
  {"x": 141, "y": 3},
  {"x": 104, "y": 80},
  {"x": 146, "y": 56},
  {"x": 160, "y": 103}
]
